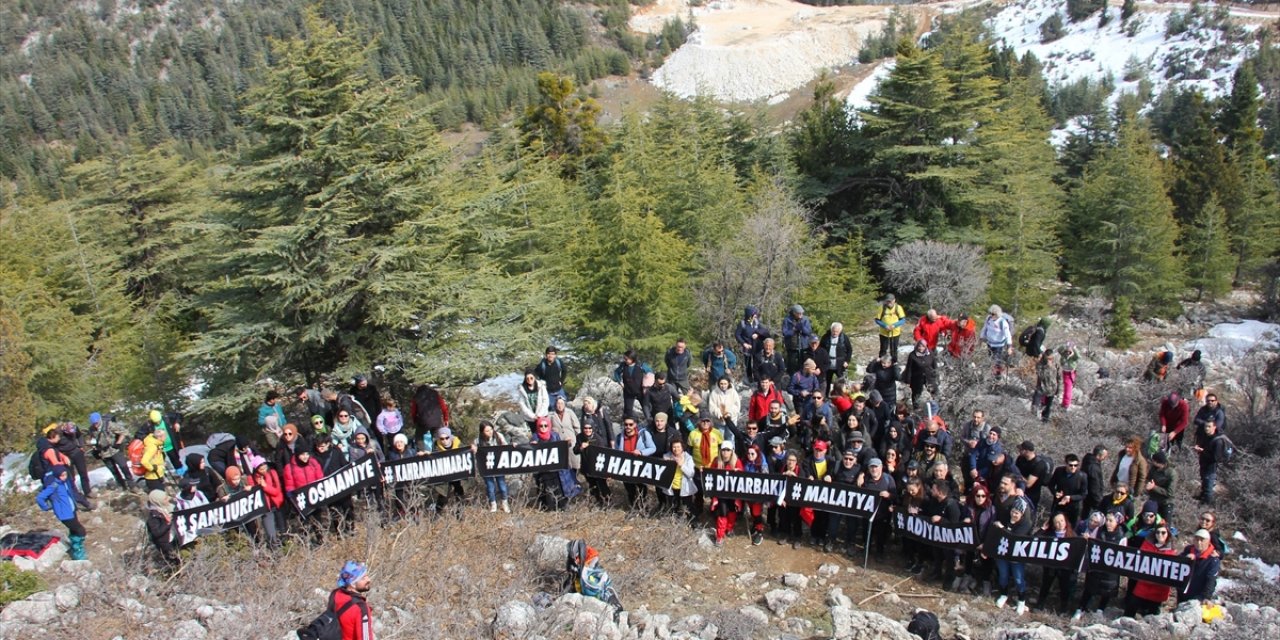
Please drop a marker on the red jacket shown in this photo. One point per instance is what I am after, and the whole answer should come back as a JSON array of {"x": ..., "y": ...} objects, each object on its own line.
[
  {"x": 1150, "y": 591},
  {"x": 963, "y": 337},
  {"x": 270, "y": 483},
  {"x": 356, "y": 621},
  {"x": 296, "y": 476},
  {"x": 930, "y": 331},
  {"x": 759, "y": 407},
  {"x": 1174, "y": 417}
]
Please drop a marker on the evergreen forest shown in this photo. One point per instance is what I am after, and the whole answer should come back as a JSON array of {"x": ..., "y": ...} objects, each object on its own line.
[{"x": 273, "y": 202}]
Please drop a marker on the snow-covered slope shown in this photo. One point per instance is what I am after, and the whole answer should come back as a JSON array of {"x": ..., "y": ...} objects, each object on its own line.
[{"x": 1202, "y": 57}]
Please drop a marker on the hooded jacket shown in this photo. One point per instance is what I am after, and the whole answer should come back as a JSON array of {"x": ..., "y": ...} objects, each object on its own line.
[{"x": 59, "y": 496}]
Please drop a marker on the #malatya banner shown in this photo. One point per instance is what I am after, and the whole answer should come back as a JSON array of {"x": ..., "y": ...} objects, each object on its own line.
[
  {"x": 337, "y": 485},
  {"x": 959, "y": 536},
  {"x": 628, "y": 467},
  {"x": 217, "y": 516},
  {"x": 507, "y": 460},
  {"x": 834, "y": 497}
]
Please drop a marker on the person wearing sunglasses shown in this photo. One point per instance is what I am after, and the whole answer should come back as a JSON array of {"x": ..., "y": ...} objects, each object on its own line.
[
  {"x": 1118, "y": 502},
  {"x": 979, "y": 510},
  {"x": 1101, "y": 585},
  {"x": 1069, "y": 487},
  {"x": 1148, "y": 597}
]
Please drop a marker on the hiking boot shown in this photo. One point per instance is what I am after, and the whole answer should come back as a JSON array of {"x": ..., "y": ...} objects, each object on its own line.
[
  {"x": 826, "y": 547},
  {"x": 493, "y": 507},
  {"x": 506, "y": 507},
  {"x": 756, "y": 538},
  {"x": 718, "y": 543}
]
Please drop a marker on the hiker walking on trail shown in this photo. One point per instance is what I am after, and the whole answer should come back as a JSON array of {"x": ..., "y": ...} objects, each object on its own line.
[
  {"x": 1048, "y": 384},
  {"x": 350, "y": 604},
  {"x": 997, "y": 333}
]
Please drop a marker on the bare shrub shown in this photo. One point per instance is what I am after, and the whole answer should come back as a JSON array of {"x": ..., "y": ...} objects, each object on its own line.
[
  {"x": 733, "y": 625},
  {"x": 951, "y": 277},
  {"x": 762, "y": 262}
]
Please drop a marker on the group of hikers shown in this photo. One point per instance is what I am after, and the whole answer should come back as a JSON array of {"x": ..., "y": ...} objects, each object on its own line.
[{"x": 806, "y": 416}]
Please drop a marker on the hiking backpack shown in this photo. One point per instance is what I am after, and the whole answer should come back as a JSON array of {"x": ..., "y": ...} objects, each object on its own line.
[
  {"x": 326, "y": 626},
  {"x": 136, "y": 449},
  {"x": 1024, "y": 338},
  {"x": 35, "y": 467},
  {"x": 1228, "y": 450}
]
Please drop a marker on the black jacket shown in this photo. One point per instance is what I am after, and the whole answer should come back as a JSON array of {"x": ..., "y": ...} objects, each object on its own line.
[
  {"x": 552, "y": 374},
  {"x": 886, "y": 380},
  {"x": 818, "y": 356},
  {"x": 844, "y": 351},
  {"x": 773, "y": 367},
  {"x": 1097, "y": 479},
  {"x": 921, "y": 370},
  {"x": 660, "y": 398},
  {"x": 1072, "y": 485}
]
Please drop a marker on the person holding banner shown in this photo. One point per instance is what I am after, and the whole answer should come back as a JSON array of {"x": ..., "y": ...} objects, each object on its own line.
[
  {"x": 1148, "y": 597},
  {"x": 875, "y": 479},
  {"x": 267, "y": 478},
  {"x": 789, "y": 522},
  {"x": 635, "y": 440},
  {"x": 726, "y": 511},
  {"x": 598, "y": 487},
  {"x": 1058, "y": 528},
  {"x": 160, "y": 527},
  {"x": 941, "y": 507},
  {"x": 683, "y": 493},
  {"x": 754, "y": 463},
  {"x": 446, "y": 441},
  {"x": 1204, "y": 570},
  {"x": 555, "y": 488},
  {"x": 495, "y": 487},
  {"x": 819, "y": 467},
  {"x": 981, "y": 511},
  {"x": 1008, "y": 571},
  {"x": 912, "y": 503},
  {"x": 1102, "y": 585}
]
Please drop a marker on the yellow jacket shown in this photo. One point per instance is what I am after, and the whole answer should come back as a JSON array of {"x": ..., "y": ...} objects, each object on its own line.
[
  {"x": 153, "y": 459},
  {"x": 889, "y": 319},
  {"x": 695, "y": 447}
]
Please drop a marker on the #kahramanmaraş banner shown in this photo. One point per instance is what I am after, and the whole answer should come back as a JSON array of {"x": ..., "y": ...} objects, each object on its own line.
[
  {"x": 336, "y": 486},
  {"x": 239, "y": 509},
  {"x": 959, "y": 536},
  {"x": 628, "y": 467},
  {"x": 834, "y": 497},
  {"x": 434, "y": 468},
  {"x": 512, "y": 459},
  {"x": 1055, "y": 553},
  {"x": 730, "y": 484},
  {"x": 1173, "y": 571}
]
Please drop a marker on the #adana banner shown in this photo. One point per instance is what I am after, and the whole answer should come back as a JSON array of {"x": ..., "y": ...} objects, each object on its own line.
[
  {"x": 190, "y": 523},
  {"x": 337, "y": 485},
  {"x": 961, "y": 536},
  {"x": 740, "y": 485},
  {"x": 1173, "y": 571},
  {"x": 434, "y": 468},
  {"x": 627, "y": 467},
  {"x": 512, "y": 459},
  {"x": 835, "y": 497},
  {"x": 1055, "y": 553}
]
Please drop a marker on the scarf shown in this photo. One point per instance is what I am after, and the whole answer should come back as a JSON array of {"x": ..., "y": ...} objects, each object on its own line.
[
  {"x": 545, "y": 437},
  {"x": 629, "y": 442},
  {"x": 705, "y": 446}
]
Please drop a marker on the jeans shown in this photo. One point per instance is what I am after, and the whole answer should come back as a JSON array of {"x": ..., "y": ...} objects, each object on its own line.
[
  {"x": 1208, "y": 480},
  {"x": 494, "y": 485},
  {"x": 999, "y": 357},
  {"x": 1016, "y": 570}
]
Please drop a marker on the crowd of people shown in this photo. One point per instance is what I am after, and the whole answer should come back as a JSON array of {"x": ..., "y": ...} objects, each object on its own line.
[{"x": 807, "y": 415}]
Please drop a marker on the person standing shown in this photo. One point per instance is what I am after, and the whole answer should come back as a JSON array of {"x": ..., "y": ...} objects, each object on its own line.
[
  {"x": 367, "y": 395},
  {"x": 1206, "y": 562},
  {"x": 1032, "y": 338},
  {"x": 889, "y": 319},
  {"x": 750, "y": 335},
  {"x": 718, "y": 362},
  {"x": 534, "y": 400},
  {"x": 1069, "y": 359},
  {"x": 678, "y": 361},
  {"x": 797, "y": 329},
  {"x": 921, "y": 373},
  {"x": 930, "y": 327},
  {"x": 1147, "y": 597},
  {"x": 630, "y": 373},
  {"x": 108, "y": 438},
  {"x": 1069, "y": 487},
  {"x": 997, "y": 333},
  {"x": 1095, "y": 476},
  {"x": 1048, "y": 384},
  {"x": 838, "y": 350},
  {"x": 1014, "y": 521},
  {"x": 59, "y": 496},
  {"x": 1160, "y": 482},
  {"x": 550, "y": 370},
  {"x": 71, "y": 446},
  {"x": 349, "y": 602},
  {"x": 153, "y": 458},
  {"x": 1174, "y": 415},
  {"x": 1210, "y": 412},
  {"x": 1211, "y": 455}
]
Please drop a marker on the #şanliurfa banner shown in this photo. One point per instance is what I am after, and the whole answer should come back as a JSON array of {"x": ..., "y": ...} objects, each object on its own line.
[
  {"x": 337, "y": 485},
  {"x": 217, "y": 516},
  {"x": 599, "y": 462},
  {"x": 433, "y": 468},
  {"x": 512, "y": 459}
]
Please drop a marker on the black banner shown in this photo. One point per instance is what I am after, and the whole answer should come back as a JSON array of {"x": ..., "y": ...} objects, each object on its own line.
[
  {"x": 960, "y": 536},
  {"x": 1173, "y": 571},
  {"x": 512, "y": 459},
  {"x": 336, "y": 486},
  {"x": 210, "y": 518},
  {"x": 1055, "y": 553},
  {"x": 629, "y": 467},
  {"x": 740, "y": 485},
  {"x": 835, "y": 497},
  {"x": 435, "y": 468}
]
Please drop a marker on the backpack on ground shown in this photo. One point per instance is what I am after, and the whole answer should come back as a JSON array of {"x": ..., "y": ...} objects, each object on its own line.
[
  {"x": 136, "y": 449},
  {"x": 326, "y": 626},
  {"x": 924, "y": 625},
  {"x": 1024, "y": 338}
]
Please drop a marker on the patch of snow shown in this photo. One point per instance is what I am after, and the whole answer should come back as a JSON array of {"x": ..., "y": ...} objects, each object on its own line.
[
  {"x": 505, "y": 386},
  {"x": 13, "y": 475},
  {"x": 1231, "y": 340},
  {"x": 778, "y": 99},
  {"x": 1269, "y": 571},
  {"x": 859, "y": 96}
]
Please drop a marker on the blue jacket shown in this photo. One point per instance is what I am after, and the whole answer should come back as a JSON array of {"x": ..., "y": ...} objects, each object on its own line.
[
  {"x": 796, "y": 333},
  {"x": 58, "y": 496},
  {"x": 720, "y": 365},
  {"x": 644, "y": 444},
  {"x": 268, "y": 410}
]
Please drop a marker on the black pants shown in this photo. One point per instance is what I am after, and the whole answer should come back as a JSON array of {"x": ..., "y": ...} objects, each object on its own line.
[
  {"x": 74, "y": 527},
  {"x": 82, "y": 469},
  {"x": 1099, "y": 585},
  {"x": 628, "y": 401},
  {"x": 118, "y": 465},
  {"x": 599, "y": 490},
  {"x": 1066, "y": 581},
  {"x": 152, "y": 485},
  {"x": 821, "y": 526},
  {"x": 1134, "y": 605},
  {"x": 635, "y": 493},
  {"x": 890, "y": 346},
  {"x": 791, "y": 523},
  {"x": 173, "y": 457}
]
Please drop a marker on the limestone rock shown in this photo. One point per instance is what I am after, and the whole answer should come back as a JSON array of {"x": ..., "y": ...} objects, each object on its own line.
[
  {"x": 67, "y": 597},
  {"x": 1040, "y": 632},
  {"x": 755, "y": 614},
  {"x": 189, "y": 630},
  {"x": 828, "y": 569},
  {"x": 514, "y": 619},
  {"x": 75, "y": 567},
  {"x": 837, "y": 598},
  {"x": 52, "y": 557},
  {"x": 849, "y": 624},
  {"x": 548, "y": 552},
  {"x": 780, "y": 600},
  {"x": 33, "y": 610},
  {"x": 795, "y": 580}
]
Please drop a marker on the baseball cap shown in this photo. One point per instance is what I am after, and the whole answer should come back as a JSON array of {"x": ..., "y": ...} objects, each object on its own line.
[
  {"x": 1202, "y": 533},
  {"x": 875, "y": 462},
  {"x": 820, "y": 446},
  {"x": 726, "y": 445}
]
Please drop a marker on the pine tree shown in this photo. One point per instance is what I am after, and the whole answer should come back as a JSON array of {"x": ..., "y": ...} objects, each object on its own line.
[
  {"x": 17, "y": 412},
  {"x": 1120, "y": 332},
  {"x": 1198, "y": 160},
  {"x": 1206, "y": 252},
  {"x": 842, "y": 286},
  {"x": 1250, "y": 193},
  {"x": 561, "y": 122},
  {"x": 823, "y": 143},
  {"x": 1121, "y": 224}
]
